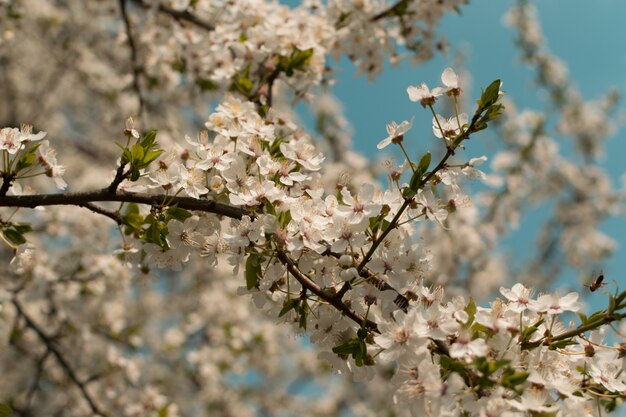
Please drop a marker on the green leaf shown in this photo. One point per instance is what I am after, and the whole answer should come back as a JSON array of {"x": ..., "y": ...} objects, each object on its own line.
[
  {"x": 348, "y": 348},
  {"x": 530, "y": 330},
  {"x": 422, "y": 166},
  {"x": 296, "y": 61},
  {"x": 612, "y": 305},
  {"x": 126, "y": 156},
  {"x": 300, "y": 58},
  {"x": 400, "y": 8},
  {"x": 275, "y": 148},
  {"x": 424, "y": 162},
  {"x": 452, "y": 365},
  {"x": 284, "y": 219},
  {"x": 414, "y": 184},
  {"x": 149, "y": 139},
  {"x": 151, "y": 156},
  {"x": 136, "y": 153},
  {"x": 408, "y": 193},
  {"x": 22, "y": 227},
  {"x": 303, "y": 311},
  {"x": 180, "y": 65},
  {"x": 253, "y": 270},
  {"x": 206, "y": 85},
  {"x": 13, "y": 237},
  {"x": 343, "y": 17},
  {"x": 470, "y": 309},
  {"x": 362, "y": 333},
  {"x": 27, "y": 159},
  {"x": 490, "y": 95},
  {"x": 561, "y": 344},
  {"x": 595, "y": 316},
  {"x": 5, "y": 410},
  {"x": 262, "y": 110},
  {"x": 163, "y": 411},
  {"x": 530, "y": 345},
  {"x": 131, "y": 218},
  {"x": 289, "y": 305},
  {"x": 511, "y": 379},
  {"x": 178, "y": 213},
  {"x": 242, "y": 82},
  {"x": 154, "y": 233},
  {"x": 354, "y": 347}
]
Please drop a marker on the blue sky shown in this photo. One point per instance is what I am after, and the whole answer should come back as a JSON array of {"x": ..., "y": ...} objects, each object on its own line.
[{"x": 589, "y": 36}]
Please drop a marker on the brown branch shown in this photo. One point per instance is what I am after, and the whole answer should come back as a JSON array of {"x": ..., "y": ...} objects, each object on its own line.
[
  {"x": 405, "y": 205},
  {"x": 84, "y": 198},
  {"x": 449, "y": 152},
  {"x": 60, "y": 358},
  {"x": 7, "y": 181},
  {"x": 133, "y": 56},
  {"x": 120, "y": 176},
  {"x": 180, "y": 15},
  {"x": 113, "y": 215},
  {"x": 390, "y": 11},
  {"x": 36, "y": 382},
  {"x": 330, "y": 298},
  {"x": 608, "y": 318}
]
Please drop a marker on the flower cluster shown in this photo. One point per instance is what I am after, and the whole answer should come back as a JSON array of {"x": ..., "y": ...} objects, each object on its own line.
[{"x": 252, "y": 206}]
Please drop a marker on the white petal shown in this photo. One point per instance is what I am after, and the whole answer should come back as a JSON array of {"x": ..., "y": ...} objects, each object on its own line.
[
  {"x": 383, "y": 143},
  {"x": 449, "y": 78},
  {"x": 417, "y": 93}
]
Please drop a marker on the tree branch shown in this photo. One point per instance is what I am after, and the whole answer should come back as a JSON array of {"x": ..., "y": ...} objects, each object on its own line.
[
  {"x": 60, "y": 358},
  {"x": 184, "y": 15},
  {"x": 608, "y": 318},
  {"x": 390, "y": 11},
  {"x": 83, "y": 199},
  {"x": 307, "y": 283},
  {"x": 115, "y": 216},
  {"x": 133, "y": 56},
  {"x": 120, "y": 176}
]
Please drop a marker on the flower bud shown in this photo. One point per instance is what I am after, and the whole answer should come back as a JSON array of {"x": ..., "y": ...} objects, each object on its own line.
[
  {"x": 345, "y": 261},
  {"x": 348, "y": 274}
]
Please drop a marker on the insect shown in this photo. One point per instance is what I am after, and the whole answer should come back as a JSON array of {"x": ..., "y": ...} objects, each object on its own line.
[{"x": 597, "y": 282}]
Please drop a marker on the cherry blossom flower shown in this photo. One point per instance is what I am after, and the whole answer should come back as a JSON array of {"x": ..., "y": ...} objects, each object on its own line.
[
  {"x": 519, "y": 297},
  {"x": 451, "y": 82},
  {"x": 466, "y": 348},
  {"x": 360, "y": 207},
  {"x": 47, "y": 158},
  {"x": 423, "y": 94},
  {"x": 554, "y": 304},
  {"x": 607, "y": 369},
  {"x": 395, "y": 131},
  {"x": 192, "y": 181},
  {"x": 449, "y": 128},
  {"x": 10, "y": 140},
  {"x": 431, "y": 207},
  {"x": 398, "y": 337}
]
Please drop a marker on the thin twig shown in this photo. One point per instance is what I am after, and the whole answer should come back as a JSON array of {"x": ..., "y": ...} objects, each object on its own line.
[
  {"x": 390, "y": 11},
  {"x": 133, "y": 57},
  {"x": 181, "y": 15},
  {"x": 60, "y": 358},
  {"x": 35, "y": 385},
  {"x": 307, "y": 283},
  {"x": 113, "y": 215}
]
